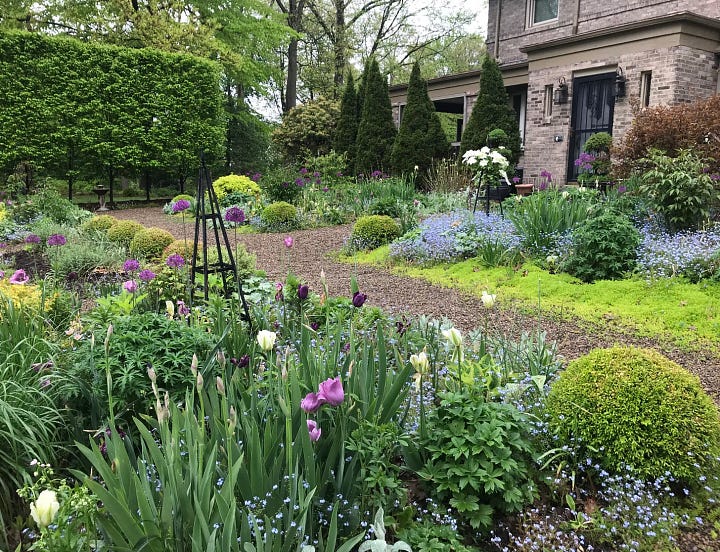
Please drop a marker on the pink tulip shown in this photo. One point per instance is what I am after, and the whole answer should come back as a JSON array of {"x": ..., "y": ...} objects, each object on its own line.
[
  {"x": 311, "y": 403},
  {"x": 313, "y": 430},
  {"x": 19, "y": 277},
  {"x": 331, "y": 391},
  {"x": 288, "y": 242}
]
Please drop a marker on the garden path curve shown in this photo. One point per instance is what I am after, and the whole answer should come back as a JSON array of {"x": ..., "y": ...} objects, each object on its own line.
[{"x": 411, "y": 296}]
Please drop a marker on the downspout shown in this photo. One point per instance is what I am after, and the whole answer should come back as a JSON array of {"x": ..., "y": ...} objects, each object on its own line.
[
  {"x": 496, "y": 48},
  {"x": 576, "y": 18}
]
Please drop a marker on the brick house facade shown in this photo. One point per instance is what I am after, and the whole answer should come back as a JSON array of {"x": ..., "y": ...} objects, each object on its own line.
[{"x": 576, "y": 67}]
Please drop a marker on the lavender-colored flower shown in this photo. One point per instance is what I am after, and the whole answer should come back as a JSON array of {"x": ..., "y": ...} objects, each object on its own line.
[
  {"x": 182, "y": 308},
  {"x": 546, "y": 175},
  {"x": 288, "y": 241},
  {"x": 146, "y": 275},
  {"x": 303, "y": 291},
  {"x": 325, "y": 189},
  {"x": 314, "y": 430},
  {"x": 304, "y": 171},
  {"x": 316, "y": 174},
  {"x": 131, "y": 286},
  {"x": 2, "y": 274},
  {"x": 312, "y": 402},
  {"x": 314, "y": 326},
  {"x": 300, "y": 182},
  {"x": 180, "y": 205},
  {"x": 235, "y": 214},
  {"x": 56, "y": 239},
  {"x": 331, "y": 391},
  {"x": 32, "y": 238},
  {"x": 131, "y": 265},
  {"x": 19, "y": 277},
  {"x": 175, "y": 261},
  {"x": 255, "y": 177},
  {"x": 621, "y": 189},
  {"x": 358, "y": 299}
]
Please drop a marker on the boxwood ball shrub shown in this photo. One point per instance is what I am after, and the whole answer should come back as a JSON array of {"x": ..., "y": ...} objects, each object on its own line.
[
  {"x": 99, "y": 223},
  {"x": 604, "y": 247},
  {"x": 149, "y": 243},
  {"x": 183, "y": 248},
  {"x": 236, "y": 184},
  {"x": 638, "y": 409},
  {"x": 123, "y": 231},
  {"x": 279, "y": 216},
  {"x": 372, "y": 231}
]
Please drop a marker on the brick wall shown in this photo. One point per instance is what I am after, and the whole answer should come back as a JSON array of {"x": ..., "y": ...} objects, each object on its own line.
[
  {"x": 679, "y": 74},
  {"x": 594, "y": 15}
]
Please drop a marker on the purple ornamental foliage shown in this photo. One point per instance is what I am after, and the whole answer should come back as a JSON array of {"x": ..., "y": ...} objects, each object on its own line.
[
  {"x": 235, "y": 215},
  {"x": 56, "y": 239},
  {"x": 303, "y": 291},
  {"x": 131, "y": 265},
  {"x": 131, "y": 286},
  {"x": 331, "y": 391},
  {"x": 358, "y": 299},
  {"x": 19, "y": 277},
  {"x": 146, "y": 275},
  {"x": 175, "y": 261},
  {"x": 311, "y": 403},
  {"x": 32, "y": 238},
  {"x": 180, "y": 205},
  {"x": 314, "y": 430}
]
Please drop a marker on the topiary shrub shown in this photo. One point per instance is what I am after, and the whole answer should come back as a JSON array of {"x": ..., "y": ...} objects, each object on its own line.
[
  {"x": 373, "y": 231},
  {"x": 180, "y": 247},
  {"x": 123, "y": 231},
  {"x": 278, "y": 217},
  {"x": 636, "y": 408},
  {"x": 604, "y": 247},
  {"x": 149, "y": 243},
  {"x": 99, "y": 223},
  {"x": 240, "y": 188}
]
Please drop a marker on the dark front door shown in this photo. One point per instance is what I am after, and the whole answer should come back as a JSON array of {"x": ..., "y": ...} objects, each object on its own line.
[{"x": 593, "y": 102}]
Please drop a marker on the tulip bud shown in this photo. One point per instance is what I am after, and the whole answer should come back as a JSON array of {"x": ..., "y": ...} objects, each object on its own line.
[
  {"x": 194, "y": 365},
  {"x": 151, "y": 374},
  {"x": 221, "y": 358},
  {"x": 220, "y": 385},
  {"x": 170, "y": 309},
  {"x": 200, "y": 382},
  {"x": 453, "y": 336}
]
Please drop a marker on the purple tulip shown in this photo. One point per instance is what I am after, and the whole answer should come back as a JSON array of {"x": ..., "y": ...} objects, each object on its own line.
[
  {"x": 311, "y": 403},
  {"x": 56, "y": 239},
  {"x": 358, "y": 299},
  {"x": 19, "y": 277},
  {"x": 279, "y": 296},
  {"x": 314, "y": 326},
  {"x": 175, "y": 261},
  {"x": 146, "y": 275},
  {"x": 314, "y": 430},
  {"x": 235, "y": 214},
  {"x": 131, "y": 265},
  {"x": 331, "y": 391},
  {"x": 32, "y": 238},
  {"x": 303, "y": 292},
  {"x": 180, "y": 205},
  {"x": 130, "y": 286}
]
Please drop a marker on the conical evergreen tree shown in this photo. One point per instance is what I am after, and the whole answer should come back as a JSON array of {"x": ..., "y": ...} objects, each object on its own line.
[
  {"x": 491, "y": 110},
  {"x": 346, "y": 131},
  {"x": 420, "y": 137},
  {"x": 376, "y": 132}
]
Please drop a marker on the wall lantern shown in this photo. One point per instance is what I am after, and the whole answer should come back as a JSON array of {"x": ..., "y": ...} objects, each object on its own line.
[
  {"x": 561, "y": 94},
  {"x": 619, "y": 83}
]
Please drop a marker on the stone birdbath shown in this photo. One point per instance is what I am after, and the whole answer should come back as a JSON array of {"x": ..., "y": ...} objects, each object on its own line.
[{"x": 101, "y": 191}]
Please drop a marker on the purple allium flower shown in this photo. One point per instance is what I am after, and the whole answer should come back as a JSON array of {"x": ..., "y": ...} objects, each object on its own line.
[
  {"x": 312, "y": 402},
  {"x": 175, "y": 261},
  {"x": 72, "y": 276},
  {"x": 314, "y": 326},
  {"x": 376, "y": 174},
  {"x": 358, "y": 299},
  {"x": 300, "y": 182},
  {"x": 325, "y": 189},
  {"x": 131, "y": 265},
  {"x": 19, "y": 277},
  {"x": 621, "y": 189},
  {"x": 235, "y": 214},
  {"x": 130, "y": 286},
  {"x": 56, "y": 239},
  {"x": 288, "y": 241},
  {"x": 182, "y": 308},
  {"x": 146, "y": 275},
  {"x": 316, "y": 174},
  {"x": 314, "y": 430},
  {"x": 303, "y": 292},
  {"x": 331, "y": 391},
  {"x": 516, "y": 180},
  {"x": 32, "y": 238},
  {"x": 180, "y": 205},
  {"x": 256, "y": 177},
  {"x": 339, "y": 174},
  {"x": 584, "y": 161},
  {"x": 304, "y": 171}
]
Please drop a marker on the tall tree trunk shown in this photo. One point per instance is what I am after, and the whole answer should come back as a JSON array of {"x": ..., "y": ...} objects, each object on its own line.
[
  {"x": 339, "y": 47},
  {"x": 292, "y": 76}
]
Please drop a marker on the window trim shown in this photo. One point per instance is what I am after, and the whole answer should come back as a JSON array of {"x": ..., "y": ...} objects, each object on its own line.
[
  {"x": 645, "y": 88},
  {"x": 530, "y": 16}
]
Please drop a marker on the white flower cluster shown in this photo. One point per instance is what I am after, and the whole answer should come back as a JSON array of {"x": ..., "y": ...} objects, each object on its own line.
[{"x": 487, "y": 161}]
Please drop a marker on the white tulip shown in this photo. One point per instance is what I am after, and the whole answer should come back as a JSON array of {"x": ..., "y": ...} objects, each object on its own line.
[
  {"x": 453, "y": 336},
  {"x": 488, "y": 299},
  {"x": 266, "y": 339},
  {"x": 45, "y": 508}
]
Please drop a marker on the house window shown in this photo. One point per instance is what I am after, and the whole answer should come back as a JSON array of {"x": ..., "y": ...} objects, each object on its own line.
[
  {"x": 518, "y": 101},
  {"x": 645, "y": 84},
  {"x": 548, "y": 101},
  {"x": 541, "y": 11}
]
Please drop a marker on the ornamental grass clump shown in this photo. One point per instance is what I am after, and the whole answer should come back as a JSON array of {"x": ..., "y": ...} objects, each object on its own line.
[
  {"x": 373, "y": 231},
  {"x": 636, "y": 408}
]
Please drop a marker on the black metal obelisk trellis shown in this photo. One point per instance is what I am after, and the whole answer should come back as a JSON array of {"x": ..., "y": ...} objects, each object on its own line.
[{"x": 207, "y": 209}]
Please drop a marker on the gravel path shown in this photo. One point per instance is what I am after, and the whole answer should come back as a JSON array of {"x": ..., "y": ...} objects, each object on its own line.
[{"x": 403, "y": 295}]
